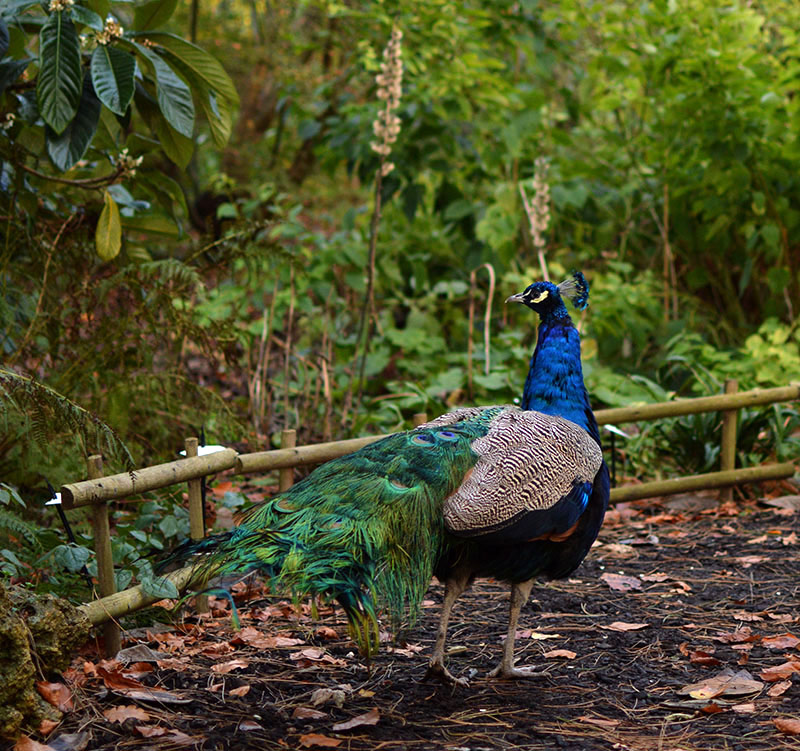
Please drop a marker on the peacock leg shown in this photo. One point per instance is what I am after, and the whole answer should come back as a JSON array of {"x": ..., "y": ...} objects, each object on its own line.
[
  {"x": 456, "y": 583},
  {"x": 520, "y": 591}
]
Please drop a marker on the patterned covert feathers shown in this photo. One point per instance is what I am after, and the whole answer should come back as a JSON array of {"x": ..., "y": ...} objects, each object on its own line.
[{"x": 486, "y": 491}]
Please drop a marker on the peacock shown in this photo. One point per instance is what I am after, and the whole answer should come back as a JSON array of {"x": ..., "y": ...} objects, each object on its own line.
[{"x": 508, "y": 492}]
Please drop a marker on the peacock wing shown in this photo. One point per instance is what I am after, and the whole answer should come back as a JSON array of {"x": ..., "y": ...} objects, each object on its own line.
[{"x": 532, "y": 480}]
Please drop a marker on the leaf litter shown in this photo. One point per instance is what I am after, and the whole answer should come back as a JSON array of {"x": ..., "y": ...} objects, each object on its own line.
[{"x": 642, "y": 646}]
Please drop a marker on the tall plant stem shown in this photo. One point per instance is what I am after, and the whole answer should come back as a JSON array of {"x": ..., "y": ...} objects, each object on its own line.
[{"x": 368, "y": 306}]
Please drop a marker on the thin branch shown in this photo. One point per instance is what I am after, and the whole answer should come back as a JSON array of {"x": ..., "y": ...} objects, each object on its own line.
[{"x": 90, "y": 183}]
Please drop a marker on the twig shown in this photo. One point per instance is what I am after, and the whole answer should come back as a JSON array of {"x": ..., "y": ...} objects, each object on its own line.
[{"x": 89, "y": 183}]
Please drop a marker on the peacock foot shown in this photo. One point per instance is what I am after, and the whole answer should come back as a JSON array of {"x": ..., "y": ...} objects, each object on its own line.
[
  {"x": 509, "y": 672},
  {"x": 439, "y": 672}
]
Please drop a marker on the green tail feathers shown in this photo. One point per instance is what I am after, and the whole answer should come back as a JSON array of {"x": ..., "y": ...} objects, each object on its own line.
[{"x": 365, "y": 529}]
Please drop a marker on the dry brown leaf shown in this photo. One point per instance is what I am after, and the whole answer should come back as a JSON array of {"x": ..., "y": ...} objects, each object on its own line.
[
  {"x": 246, "y": 725},
  {"x": 28, "y": 744},
  {"x": 619, "y": 550},
  {"x": 47, "y": 726},
  {"x": 566, "y": 654},
  {"x": 746, "y": 708},
  {"x": 150, "y": 731},
  {"x": 115, "y": 680},
  {"x": 743, "y": 615},
  {"x": 701, "y": 657},
  {"x": 790, "y": 539},
  {"x": 781, "y": 641},
  {"x": 725, "y": 683},
  {"x": 781, "y": 617},
  {"x": 240, "y": 691},
  {"x": 326, "y": 632},
  {"x": 779, "y": 689},
  {"x": 622, "y": 626},
  {"x": 757, "y": 540},
  {"x": 712, "y": 708},
  {"x": 780, "y": 672},
  {"x": 655, "y": 577},
  {"x": 788, "y": 725},
  {"x": 315, "y": 740},
  {"x": 744, "y": 634},
  {"x": 368, "y": 718},
  {"x": 222, "y": 668},
  {"x": 307, "y": 713},
  {"x": 333, "y": 696},
  {"x": 750, "y": 560},
  {"x": 126, "y": 712},
  {"x": 56, "y": 694},
  {"x": 620, "y": 582}
]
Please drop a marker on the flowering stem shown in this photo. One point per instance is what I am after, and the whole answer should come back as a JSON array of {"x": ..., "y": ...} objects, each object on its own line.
[{"x": 368, "y": 308}]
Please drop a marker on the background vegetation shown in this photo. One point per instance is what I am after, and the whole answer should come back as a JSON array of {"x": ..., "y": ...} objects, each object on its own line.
[{"x": 182, "y": 250}]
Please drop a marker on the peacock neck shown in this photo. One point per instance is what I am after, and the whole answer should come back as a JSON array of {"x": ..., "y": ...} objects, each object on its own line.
[{"x": 555, "y": 380}]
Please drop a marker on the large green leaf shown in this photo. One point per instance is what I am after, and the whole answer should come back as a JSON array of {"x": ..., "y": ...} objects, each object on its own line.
[
  {"x": 108, "y": 235},
  {"x": 11, "y": 8},
  {"x": 68, "y": 147},
  {"x": 152, "y": 225},
  {"x": 101, "y": 7},
  {"x": 58, "y": 87},
  {"x": 112, "y": 75},
  {"x": 204, "y": 65},
  {"x": 159, "y": 587},
  {"x": 152, "y": 14},
  {"x": 174, "y": 96},
  {"x": 176, "y": 146},
  {"x": 87, "y": 18},
  {"x": 166, "y": 191}
]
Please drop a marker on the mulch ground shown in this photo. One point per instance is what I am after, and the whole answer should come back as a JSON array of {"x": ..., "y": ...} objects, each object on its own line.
[{"x": 676, "y": 634}]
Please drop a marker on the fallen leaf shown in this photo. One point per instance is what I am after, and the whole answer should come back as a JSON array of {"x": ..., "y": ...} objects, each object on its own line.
[
  {"x": 781, "y": 641},
  {"x": 701, "y": 657},
  {"x": 567, "y": 654},
  {"x": 712, "y": 708},
  {"x": 791, "y": 502},
  {"x": 620, "y": 582},
  {"x": 307, "y": 713},
  {"x": 56, "y": 694},
  {"x": 757, "y": 540},
  {"x": 620, "y": 551},
  {"x": 246, "y": 725},
  {"x": 622, "y": 626},
  {"x": 725, "y": 683},
  {"x": 781, "y": 617},
  {"x": 746, "y": 708},
  {"x": 536, "y": 635},
  {"x": 47, "y": 726},
  {"x": 368, "y": 718},
  {"x": 150, "y": 731},
  {"x": 326, "y": 632},
  {"x": 126, "y": 712},
  {"x": 780, "y": 672},
  {"x": 788, "y": 725},
  {"x": 790, "y": 539},
  {"x": 656, "y": 577},
  {"x": 779, "y": 689},
  {"x": 28, "y": 744},
  {"x": 315, "y": 740},
  {"x": 327, "y": 696},
  {"x": 240, "y": 691},
  {"x": 743, "y": 615},
  {"x": 744, "y": 634},
  {"x": 115, "y": 680},
  {"x": 222, "y": 668}
]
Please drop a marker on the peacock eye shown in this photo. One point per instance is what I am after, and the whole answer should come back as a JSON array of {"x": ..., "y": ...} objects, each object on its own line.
[
  {"x": 422, "y": 439},
  {"x": 447, "y": 435}
]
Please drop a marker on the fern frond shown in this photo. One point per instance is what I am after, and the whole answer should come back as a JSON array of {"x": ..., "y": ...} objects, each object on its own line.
[
  {"x": 12, "y": 524},
  {"x": 49, "y": 413}
]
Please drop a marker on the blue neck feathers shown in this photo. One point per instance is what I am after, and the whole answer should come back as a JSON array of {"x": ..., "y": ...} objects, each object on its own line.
[{"x": 555, "y": 380}]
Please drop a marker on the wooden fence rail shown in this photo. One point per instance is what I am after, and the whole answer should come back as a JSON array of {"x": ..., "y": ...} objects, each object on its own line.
[{"x": 97, "y": 491}]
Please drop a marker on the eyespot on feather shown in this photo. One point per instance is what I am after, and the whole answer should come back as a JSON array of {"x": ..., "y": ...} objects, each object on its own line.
[
  {"x": 422, "y": 439},
  {"x": 447, "y": 435}
]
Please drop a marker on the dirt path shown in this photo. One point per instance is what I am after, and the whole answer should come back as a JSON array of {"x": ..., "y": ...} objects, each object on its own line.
[{"x": 670, "y": 597}]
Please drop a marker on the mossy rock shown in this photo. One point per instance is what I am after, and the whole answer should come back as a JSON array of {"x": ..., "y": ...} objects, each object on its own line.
[{"x": 38, "y": 635}]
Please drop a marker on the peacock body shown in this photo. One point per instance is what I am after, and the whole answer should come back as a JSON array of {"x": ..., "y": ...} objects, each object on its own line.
[{"x": 500, "y": 491}]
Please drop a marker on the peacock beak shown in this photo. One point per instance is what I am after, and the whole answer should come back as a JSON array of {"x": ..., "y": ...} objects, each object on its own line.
[{"x": 520, "y": 297}]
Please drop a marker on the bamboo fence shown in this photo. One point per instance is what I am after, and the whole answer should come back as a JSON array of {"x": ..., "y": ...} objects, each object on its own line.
[{"x": 97, "y": 491}]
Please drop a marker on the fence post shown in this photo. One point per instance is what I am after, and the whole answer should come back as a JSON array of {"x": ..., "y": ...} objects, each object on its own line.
[
  {"x": 727, "y": 455},
  {"x": 105, "y": 560},
  {"x": 419, "y": 418},
  {"x": 196, "y": 527},
  {"x": 286, "y": 476}
]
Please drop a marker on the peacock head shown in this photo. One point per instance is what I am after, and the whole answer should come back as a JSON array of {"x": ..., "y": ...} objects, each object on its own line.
[{"x": 546, "y": 298}]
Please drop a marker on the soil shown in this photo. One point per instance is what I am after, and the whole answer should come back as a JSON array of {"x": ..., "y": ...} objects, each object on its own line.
[{"x": 673, "y": 594}]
